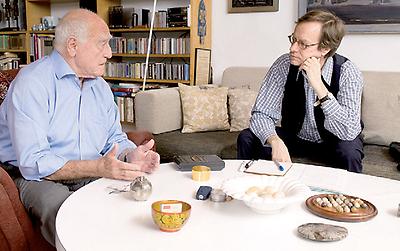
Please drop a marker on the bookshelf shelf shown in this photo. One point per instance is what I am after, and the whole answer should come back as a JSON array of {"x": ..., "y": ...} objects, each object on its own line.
[
  {"x": 170, "y": 29},
  {"x": 131, "y": 55},
  {"x": 12, "y": 50},
  {"x": 12, "y": 32},
  {"x": 42, "y": 32},
  {"x": 161, "y": 81}
]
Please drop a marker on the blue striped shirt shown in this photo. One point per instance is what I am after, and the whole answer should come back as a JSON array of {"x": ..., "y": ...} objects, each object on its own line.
[
  {"x": 47, "y": 119},
  {"x": 342, "y": 115}
]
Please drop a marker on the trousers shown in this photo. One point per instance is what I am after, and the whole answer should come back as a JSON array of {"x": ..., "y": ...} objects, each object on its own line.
[
  {"x": 344, "y": 154},
  {"x": 42, "y": 199}
]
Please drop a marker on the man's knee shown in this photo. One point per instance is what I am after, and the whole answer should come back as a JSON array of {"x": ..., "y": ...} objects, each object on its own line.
[
  {"x": 350, "y": 155},
  {"x": 245, "y": 137}
]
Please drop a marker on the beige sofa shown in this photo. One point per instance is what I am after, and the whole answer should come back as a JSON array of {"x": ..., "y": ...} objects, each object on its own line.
[{"x": 160, "y": 112}]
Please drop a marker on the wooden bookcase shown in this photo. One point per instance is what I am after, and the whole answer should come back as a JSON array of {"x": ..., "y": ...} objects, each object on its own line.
[{"x": 36, "y": 9}]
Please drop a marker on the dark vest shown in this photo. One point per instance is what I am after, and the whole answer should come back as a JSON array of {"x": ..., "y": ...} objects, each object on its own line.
[{"x": 294, "y": 100}]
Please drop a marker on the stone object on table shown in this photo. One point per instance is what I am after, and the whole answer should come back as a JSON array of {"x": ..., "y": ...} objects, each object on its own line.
[{"x": 322, "y": 232}]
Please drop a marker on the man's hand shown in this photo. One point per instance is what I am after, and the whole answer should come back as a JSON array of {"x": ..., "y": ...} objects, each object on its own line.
[
  {"x": 144, "y": 157},
  {"x": 312, "y": 66},
  {"x": 279, "y": 150},
  {"x": 111, "y": 167}
]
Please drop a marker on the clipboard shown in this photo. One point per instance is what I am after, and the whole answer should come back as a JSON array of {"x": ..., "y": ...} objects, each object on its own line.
[{"x": 267, "y": 167}]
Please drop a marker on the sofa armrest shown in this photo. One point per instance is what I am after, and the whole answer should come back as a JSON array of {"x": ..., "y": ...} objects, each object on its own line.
[{"x": 158, "y": 110}]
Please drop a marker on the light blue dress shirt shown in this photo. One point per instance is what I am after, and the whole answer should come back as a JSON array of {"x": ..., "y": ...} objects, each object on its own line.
[{"x": 47, "y": 119}]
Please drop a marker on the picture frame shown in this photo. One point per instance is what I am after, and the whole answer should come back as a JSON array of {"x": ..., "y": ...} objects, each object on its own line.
[
  {"x": 202, "y": 66},
  {"x": 364, "y": 16},
  {"x": 241, "y": 6}
]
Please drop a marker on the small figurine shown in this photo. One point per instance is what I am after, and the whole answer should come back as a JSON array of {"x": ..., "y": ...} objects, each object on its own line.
[{"x": 140, "y": 188}]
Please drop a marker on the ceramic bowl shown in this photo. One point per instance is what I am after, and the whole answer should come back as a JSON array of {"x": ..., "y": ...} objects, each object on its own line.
[
  {"x": 170, "y": 215},
  {"x": 286, "y": 192}
]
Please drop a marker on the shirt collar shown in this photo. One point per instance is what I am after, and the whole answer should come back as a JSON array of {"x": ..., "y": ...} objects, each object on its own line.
[
  {"x": 61, "y": 67},
  {"x": 327, "y": 70}
]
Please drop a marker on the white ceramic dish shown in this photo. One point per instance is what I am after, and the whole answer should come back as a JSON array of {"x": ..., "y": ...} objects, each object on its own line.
[{"x": 294, "y": 192}]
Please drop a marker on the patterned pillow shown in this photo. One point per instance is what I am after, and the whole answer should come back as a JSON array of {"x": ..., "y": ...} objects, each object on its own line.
[
  {"x": 204, "y": 108},
  {"x": 241, "y": 102},
  {"x": 6, "y": 77}
]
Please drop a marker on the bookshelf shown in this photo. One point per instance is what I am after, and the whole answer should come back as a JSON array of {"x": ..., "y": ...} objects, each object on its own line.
[
  {"x": 169, "y": 32},
  {"x": 36, "y": 9}
]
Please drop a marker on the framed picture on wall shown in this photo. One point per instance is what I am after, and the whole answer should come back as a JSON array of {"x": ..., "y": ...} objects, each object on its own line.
[
  {"x": 239, "y": 6},
  {"x": 202, "y": 66},
  {"x": 373, "y": 16}
]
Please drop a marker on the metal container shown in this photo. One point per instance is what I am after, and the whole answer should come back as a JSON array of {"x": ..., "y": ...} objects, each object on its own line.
[{"x": 140, "y": 188}]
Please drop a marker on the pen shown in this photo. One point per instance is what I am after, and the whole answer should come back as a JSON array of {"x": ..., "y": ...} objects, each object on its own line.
[
  {"x": 248, "y": 164},
  {"x": 281, "y": 168}
]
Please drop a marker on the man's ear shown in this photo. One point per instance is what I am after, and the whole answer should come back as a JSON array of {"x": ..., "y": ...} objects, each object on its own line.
[
  {"x": 325, "y": 51},
  {"x": 72, "y": 46}
]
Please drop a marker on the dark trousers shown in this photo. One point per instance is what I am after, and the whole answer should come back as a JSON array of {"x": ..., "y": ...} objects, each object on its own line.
[{"x": 344, "y": 154}]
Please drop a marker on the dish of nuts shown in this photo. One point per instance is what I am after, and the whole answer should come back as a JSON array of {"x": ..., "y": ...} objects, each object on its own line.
[{"x": 341, "y": 207}]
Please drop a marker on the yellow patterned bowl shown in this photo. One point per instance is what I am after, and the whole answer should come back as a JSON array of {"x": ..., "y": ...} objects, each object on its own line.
[{"x": 170, "y": 215}]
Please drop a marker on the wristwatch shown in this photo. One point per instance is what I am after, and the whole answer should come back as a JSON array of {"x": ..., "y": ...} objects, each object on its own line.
[{"x": 328, "y": 96}]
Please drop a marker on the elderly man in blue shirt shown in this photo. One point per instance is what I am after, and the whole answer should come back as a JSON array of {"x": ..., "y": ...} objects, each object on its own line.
[{"x": 60, "y": 126}]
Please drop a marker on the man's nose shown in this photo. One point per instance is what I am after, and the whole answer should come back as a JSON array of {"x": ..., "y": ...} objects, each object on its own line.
[
  {"x": 108, "y": 52},
  {"x": 294, "y": 47}
]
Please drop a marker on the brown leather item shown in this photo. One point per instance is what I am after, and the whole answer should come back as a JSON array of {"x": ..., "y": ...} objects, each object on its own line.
[
  {"x": 141, "y": 137},
  {"x": 16, "y": 229}
]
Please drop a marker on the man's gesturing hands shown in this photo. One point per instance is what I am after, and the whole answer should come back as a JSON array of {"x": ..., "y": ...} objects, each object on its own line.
[{"x": 139, "y": 161}]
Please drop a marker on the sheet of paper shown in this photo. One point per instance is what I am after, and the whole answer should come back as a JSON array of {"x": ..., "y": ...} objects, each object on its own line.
[{"x": 268, "y": 167}]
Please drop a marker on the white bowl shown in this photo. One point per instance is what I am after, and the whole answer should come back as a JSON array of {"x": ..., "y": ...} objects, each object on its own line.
[{"x": 294, "y": 192}]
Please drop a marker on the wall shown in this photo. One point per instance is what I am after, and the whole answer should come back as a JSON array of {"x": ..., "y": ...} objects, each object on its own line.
[{"x": 257, "y": 39}]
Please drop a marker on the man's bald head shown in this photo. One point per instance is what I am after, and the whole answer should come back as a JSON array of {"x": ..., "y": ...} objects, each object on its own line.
[{"x": 77, "y": 23}]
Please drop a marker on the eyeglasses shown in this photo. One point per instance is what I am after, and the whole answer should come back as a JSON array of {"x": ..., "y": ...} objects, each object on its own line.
[{"x": 300, "y": 43}]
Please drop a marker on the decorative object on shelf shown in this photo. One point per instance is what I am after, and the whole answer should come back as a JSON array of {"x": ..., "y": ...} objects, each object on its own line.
[
  {"x": 375, "y": 16},
  {"x": 239, "y": 6},
  {"x": 10, "y": 15},
  {"x": 202, "y": 22},
  {"x": 202, "y": 66},
  {"x": 115, "y": 16}
]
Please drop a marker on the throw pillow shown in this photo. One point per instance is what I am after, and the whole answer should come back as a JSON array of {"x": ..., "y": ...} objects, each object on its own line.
[
  {"x": 204, "y": 108},
  {"x": 241, "y": 103},
  {"x": 6, "y": 77}
]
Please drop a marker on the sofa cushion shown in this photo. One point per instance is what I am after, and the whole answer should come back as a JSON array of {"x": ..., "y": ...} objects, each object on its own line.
[
  {"x": 240, "y": 103},
  {"x": 6, "y": 77},
  {"x": 204, "y": 108},
  {"x": 381, "y": 107}
]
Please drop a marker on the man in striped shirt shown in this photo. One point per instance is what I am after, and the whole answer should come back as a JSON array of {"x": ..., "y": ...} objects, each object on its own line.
[{"x": 315, "y": 95}]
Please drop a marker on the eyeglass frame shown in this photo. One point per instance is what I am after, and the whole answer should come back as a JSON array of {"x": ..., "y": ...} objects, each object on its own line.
[{"x": 301, "y": 44}]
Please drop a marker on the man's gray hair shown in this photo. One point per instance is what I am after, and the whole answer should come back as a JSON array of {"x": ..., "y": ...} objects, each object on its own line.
[{"x": 70, "y": 25}]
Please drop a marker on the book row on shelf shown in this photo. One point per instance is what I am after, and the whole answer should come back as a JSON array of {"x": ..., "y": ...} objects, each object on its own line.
[
  {"x": 9, "y": 61},
  {"x": 167, "y": 71},
  {"x": 41, "y": 45},
  {"x": 121, "y": 17},
  {"x": 164, "y": 45},
  {"x": 13, "y": 42},
  {"x": 126, "y": 108}
]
